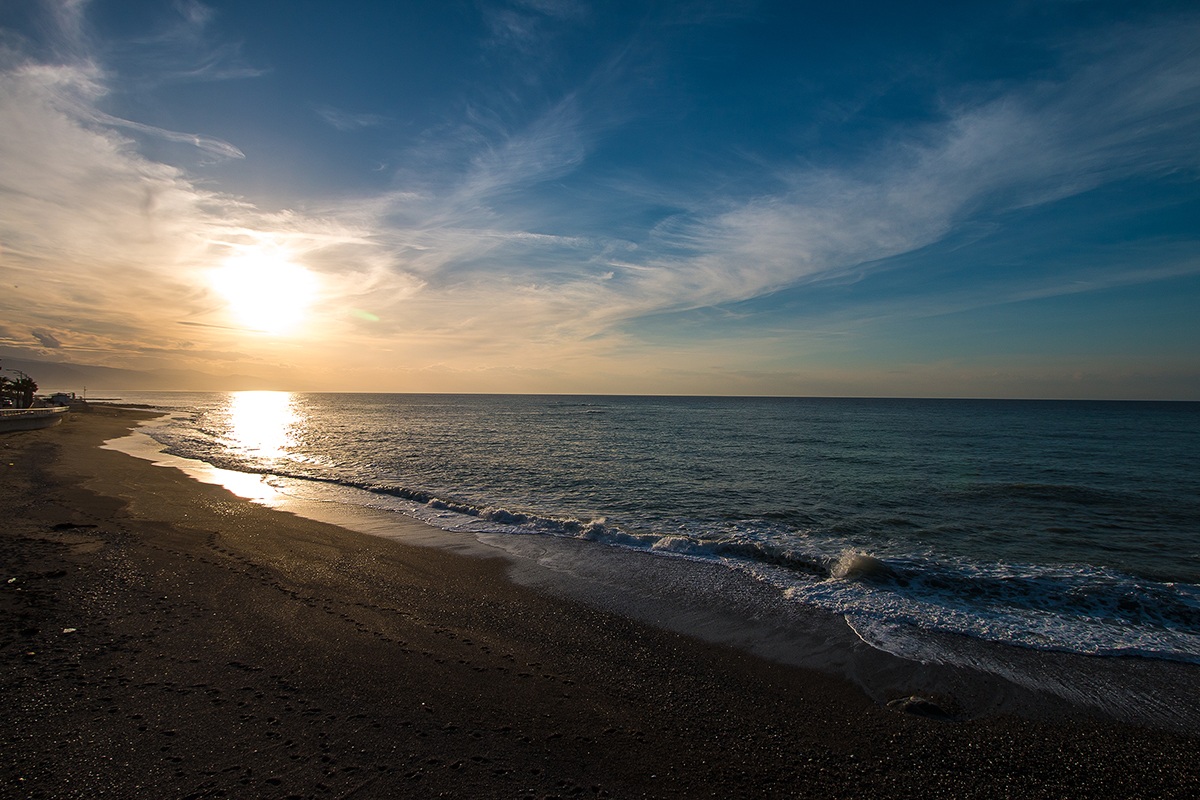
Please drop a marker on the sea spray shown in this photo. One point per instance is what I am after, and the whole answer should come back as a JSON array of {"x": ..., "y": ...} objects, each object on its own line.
[{"x": 853, "y": 565}]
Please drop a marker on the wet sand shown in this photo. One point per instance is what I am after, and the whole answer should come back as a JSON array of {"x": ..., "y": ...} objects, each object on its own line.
[{"x": 163, "y": 638}]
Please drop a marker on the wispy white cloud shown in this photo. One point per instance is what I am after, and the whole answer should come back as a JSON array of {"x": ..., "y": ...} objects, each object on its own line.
[
  {"x": 1128, "y": 106},
  {"x": 68, "y": 17},
  {"x": 550, "y": 146},
  {"x": 525, "y": 24},
  {"x": 1119, "y": 110},
  {"x": 183, "y": 49},
  {"x": 207, "y": 144},
  {"x": 346, "y": 121}
]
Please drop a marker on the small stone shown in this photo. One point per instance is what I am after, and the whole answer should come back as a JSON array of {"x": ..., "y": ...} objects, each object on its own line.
[{"x": 920, "y": 706}]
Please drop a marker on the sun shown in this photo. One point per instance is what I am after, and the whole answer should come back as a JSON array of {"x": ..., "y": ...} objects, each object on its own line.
[{"x": 265, "y": 290}]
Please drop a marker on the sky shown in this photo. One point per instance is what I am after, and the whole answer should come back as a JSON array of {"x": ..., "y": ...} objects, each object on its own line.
[{"x": 993, "y": 199}]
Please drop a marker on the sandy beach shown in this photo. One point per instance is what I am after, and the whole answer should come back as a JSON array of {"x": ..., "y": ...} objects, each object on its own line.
[{"x": 164, "y": 638}]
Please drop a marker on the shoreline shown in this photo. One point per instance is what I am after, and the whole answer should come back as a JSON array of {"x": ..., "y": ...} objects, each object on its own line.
[
  {"x": 965, "y": 677},
  {"x": 222, "y": 648}
]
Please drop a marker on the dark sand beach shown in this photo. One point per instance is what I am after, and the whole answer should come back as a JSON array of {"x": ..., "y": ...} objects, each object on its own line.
[{"x": 163, "y": 638}]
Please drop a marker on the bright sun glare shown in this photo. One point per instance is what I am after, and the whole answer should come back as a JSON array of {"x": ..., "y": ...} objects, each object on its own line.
[
  {"x": 262, "y": 423},
  {"x": 265, "y": 291}
]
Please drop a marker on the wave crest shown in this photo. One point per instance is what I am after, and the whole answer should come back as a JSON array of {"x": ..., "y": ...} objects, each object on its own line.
[{"x": 853, "y": 565}]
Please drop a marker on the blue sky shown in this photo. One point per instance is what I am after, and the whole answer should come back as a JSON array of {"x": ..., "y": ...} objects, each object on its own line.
[{"x": 973, "y": 199}]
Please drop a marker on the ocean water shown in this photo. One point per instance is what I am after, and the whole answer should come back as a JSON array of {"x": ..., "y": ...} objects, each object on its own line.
[{"x": 1054, "y": 526}]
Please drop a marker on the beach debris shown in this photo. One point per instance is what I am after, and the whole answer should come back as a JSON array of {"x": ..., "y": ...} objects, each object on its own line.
[
  {"x": 69, "y": 630},
  {"x": 919, "y": 706}
]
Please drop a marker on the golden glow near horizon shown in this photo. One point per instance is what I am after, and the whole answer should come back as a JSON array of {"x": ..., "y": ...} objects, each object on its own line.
[
  {"x": 261, "y": 423},
  {"x": 265, "y": 290}
]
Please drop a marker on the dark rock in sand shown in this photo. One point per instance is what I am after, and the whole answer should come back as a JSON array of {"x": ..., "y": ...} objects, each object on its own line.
[{"x": 921, "y": 707}]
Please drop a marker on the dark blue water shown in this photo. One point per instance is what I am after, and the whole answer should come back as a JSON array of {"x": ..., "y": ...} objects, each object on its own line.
[{"x": 1061, "y": 525}]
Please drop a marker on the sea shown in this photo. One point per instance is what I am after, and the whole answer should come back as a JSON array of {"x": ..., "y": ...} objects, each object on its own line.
[{"x": 1067, "y": 527}]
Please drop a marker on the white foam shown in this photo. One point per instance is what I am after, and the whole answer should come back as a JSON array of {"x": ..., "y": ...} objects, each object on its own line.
[{"x": 1072, "y": 609}]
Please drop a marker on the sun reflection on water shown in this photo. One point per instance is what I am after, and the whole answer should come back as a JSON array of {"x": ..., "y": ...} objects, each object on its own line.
[{"x": 263, "y": 424}]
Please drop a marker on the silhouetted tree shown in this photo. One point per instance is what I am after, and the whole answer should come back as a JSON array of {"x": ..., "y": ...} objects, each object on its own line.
[
  {"x": 20, "y": 391},
  {"x": 24, "y": 387}
]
